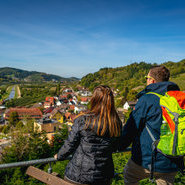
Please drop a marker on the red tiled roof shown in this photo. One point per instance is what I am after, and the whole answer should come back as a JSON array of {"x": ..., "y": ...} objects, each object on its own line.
[
  {"x": 67, "y": 115},
  {"x": 47, "y": 103},
  {"x": 71, "y": 116},
  {"x": 24, "y": 112},
  {"x": 63, "y": 96},
  {"x": 71, "y": 107},
  {"x": 85, "y": 99},
  {"x": 50, "y": 99},
  {"x": 48, "y": 110}
]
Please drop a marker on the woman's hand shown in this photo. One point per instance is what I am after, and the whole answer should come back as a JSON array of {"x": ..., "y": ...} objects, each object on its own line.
[{"x": 55, "y": 156}]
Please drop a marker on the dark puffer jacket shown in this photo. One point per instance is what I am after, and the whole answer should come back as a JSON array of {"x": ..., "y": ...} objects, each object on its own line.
[{"x": 92, "y": 154}]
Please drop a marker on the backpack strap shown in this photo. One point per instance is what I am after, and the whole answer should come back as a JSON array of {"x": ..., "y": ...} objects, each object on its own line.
[
  {"x": 154, "y": 152},
  {"x": 159, "y": 95},
  {"x": 151, "y": 135}
]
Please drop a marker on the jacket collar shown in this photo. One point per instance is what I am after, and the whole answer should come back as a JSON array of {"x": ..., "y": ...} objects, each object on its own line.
[{"x": 160, "y": 88}]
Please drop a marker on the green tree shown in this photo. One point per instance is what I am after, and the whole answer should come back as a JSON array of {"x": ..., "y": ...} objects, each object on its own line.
[
  {"x": 69, "y": 96},
  {"x": 19, "y": 125},
  {"x": 125, "y": 93},
  {"x": 127, "y": 114},
  {"x": 13, "y": 119},
  {"x": 59, "y": 138},
  {"x": 118, "y": 102},
  {"x": 5, "y": 129},
  {"x": 58, "y": 89},
  {"x": 132, "y": 95},
  {"x": 26, "y": 146},
  {"x": 23, "y": 147}
]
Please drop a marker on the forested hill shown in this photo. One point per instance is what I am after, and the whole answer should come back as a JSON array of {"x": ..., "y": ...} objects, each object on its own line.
[
  {"x": 132, "y": 76},
  {"x": 9, "y": 74}
]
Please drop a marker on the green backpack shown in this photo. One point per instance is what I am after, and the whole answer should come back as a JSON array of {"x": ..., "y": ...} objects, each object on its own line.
[{"x": 172, "y": 132}]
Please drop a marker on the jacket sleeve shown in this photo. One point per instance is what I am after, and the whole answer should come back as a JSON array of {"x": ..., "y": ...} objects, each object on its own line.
[
  {"x": 71, "y": 143},
  {"x": 134, "y": 124}
]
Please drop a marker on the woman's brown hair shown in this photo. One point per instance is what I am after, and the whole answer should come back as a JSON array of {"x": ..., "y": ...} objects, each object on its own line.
[{"x": 104, "y": 117}]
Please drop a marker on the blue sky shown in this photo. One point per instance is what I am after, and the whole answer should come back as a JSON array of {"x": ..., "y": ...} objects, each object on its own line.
[{"x": 76, "y": 37}]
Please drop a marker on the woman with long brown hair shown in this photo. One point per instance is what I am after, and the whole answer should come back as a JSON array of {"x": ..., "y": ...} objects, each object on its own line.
[{"x": 92, "y": 140}]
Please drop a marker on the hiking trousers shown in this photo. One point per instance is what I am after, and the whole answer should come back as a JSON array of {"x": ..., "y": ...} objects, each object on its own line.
[{"x": 133, "y": 173}]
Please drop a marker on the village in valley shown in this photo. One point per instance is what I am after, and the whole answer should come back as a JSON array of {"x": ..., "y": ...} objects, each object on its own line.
[{"x": 50, "y": 115}]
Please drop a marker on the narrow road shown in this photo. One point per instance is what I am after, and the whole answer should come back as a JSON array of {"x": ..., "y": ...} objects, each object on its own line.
[{"x": 18, "y": 92}]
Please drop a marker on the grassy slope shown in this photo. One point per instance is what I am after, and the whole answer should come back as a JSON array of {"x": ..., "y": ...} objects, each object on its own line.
[
  {"x": 7, "y": 92},
  {"x": 180, "y": 81},
  {"x": 132, "y": 76}
]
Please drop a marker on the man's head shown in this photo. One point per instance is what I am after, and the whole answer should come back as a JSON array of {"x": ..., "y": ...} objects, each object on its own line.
[{"x": 158, "y": 74}]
